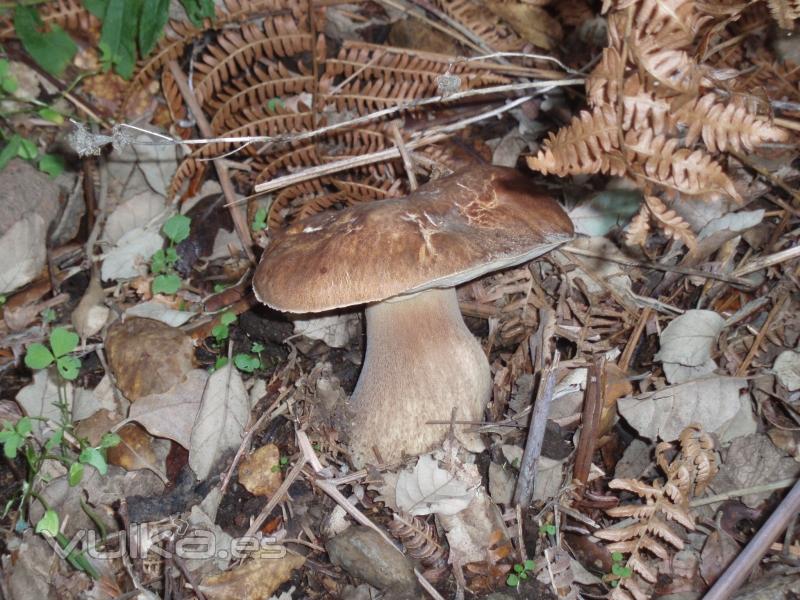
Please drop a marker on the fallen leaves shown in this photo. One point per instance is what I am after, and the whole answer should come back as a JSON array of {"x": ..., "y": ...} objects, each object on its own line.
[
  {"x": 713, "y": 402},
  {"x": 254, "y": 580},
  {"x": 172, "y": 414},
  {"x": 260, "y": 472},
  {"x": 147, "y": 357},
  {"x": 686, "y": 345},
  {"x": 429, "y": 489},
  {"x": 221, "y": 420}
]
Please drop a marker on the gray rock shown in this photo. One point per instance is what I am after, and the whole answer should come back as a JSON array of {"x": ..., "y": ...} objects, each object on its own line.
[{"x": 368, "y": 557}]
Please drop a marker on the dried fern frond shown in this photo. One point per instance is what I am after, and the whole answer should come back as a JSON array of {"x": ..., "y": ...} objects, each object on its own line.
[
  {"x": 188, "y": 172},
  {"x": 260, "y": 122},
  {"x": 643, "y": 110},
  {"x": 586, "y": 145},
  {"x": 670, "y": 222},
  {"x": 273, "y": 82},
  {"x": 659, "y": 160},
  {"x": 784, "y": 12},
  {"x": 494, "y": 32},
  {"x": 662, "y": 502},
  {"x": 676, "y": 20},
  {"x": 70, "y": 15},
  {"x": 177, "y": 35},
  {"x": 365, "y": 97},
  {"x": 235, "y": 50},
  {"x": 638, "y": 228},
  {"x": 725, "y": 125},
  {"x": 673, "y": 69},
  {"x": 603, "y": 82},
  {"x": 421, "y": 542}
]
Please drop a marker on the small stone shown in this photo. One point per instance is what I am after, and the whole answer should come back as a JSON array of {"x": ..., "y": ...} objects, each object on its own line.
[{"x": 365, "y": 555}]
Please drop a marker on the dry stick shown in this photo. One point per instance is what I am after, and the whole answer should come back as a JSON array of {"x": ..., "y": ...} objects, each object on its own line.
[
  {"x": 533, "y": 445},
  {"x": 633, "y": 341},
  {"x": 763, "y": 262},
  {"x": 277, "y": 497},
  {"x": 592, "y": 409},
  {"x": 426, "y": 585},
  {"x": 738, "y": 493},
  {"x": 659, "y": 267},
  {"x": 432, "y": 137},
  {"x": 738, "y": 571},
  {"x": 239, "y": 219},
  {"x": 407, "y": 162},
  {"x": 742, "y": 370}
]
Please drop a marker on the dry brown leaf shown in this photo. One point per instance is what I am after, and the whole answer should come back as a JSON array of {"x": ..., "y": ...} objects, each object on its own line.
[
  {"x": 172, "y": 414},
  {"x": 260, "y": 472},
  {"x": 138, "y": 450},
  {"x": 255, "y": 580},
  {"x": 532, "y": 23},
  {"x": 147, "y": 356}
]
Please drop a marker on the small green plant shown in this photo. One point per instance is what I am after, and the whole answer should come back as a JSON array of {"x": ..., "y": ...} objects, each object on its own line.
[
  {"x": 283, "y": 464},
  {"x": 3, "y": 299},
  {"x": 548, "y": 529},
  {"x": 48, "y": 315},
  {"x": 222, "y": 331},
  {"x": 520, "y": 573},
  {"x": 247, "y": 363},
  {"x": 62, "y": 342},
  {"x": 259, "y": 220},
  {"x": 619, "y": 570},
  {"x": 162, "y": 263},
  {"x": 257, "y": 347}
]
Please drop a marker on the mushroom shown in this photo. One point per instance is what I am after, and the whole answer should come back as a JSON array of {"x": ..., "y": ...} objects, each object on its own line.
[{"x": 402, "y": 258}]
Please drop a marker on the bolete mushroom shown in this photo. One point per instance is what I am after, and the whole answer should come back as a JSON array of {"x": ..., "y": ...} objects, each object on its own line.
[{"x": 402, "y": 258}]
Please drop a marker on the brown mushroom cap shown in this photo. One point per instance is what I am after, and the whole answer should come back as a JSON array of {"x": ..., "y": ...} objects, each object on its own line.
[{"x": 449, "y": 231}]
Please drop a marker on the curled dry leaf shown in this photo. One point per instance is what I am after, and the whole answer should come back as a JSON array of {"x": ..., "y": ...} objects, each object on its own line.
[
  {"x": 91, "y": 315},
  {"x": 429, "y": 489},
  {"x": 687, "y": 343}
]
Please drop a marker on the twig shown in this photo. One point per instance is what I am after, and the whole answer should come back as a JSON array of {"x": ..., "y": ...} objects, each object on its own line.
[
  {"x": 590, "y": 419},
  {"x": 248, "y": 436},
  {"x": 770, "y": 260},
  {"x": 738, "y": 493},
  {"x": 239, "y": 219},
  {"x": 408, "y": 163},
  {"x": 658, "y": 267},
  {"x": 633, "y": 341},
  {"x": 342, "y": 165},
  {"x": 426, "y": 585},
  {"x": 293, "y": 474},
  {"x": 742, "y": 370},
  {"x": 533, "y": 445},
  {"x": 738, "y": 571},
  {"x": 430, "y": 137}
]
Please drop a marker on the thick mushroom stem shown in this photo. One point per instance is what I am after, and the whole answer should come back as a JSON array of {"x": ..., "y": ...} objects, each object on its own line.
[{"x": 421, "y": 362}]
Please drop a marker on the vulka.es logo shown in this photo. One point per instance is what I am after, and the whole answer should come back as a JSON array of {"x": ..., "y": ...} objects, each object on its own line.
[{"x": 145, "y": 539}]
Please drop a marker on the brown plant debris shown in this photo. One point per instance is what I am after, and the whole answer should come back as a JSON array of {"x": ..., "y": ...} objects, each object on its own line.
[{"x": 664, "y": 502}]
